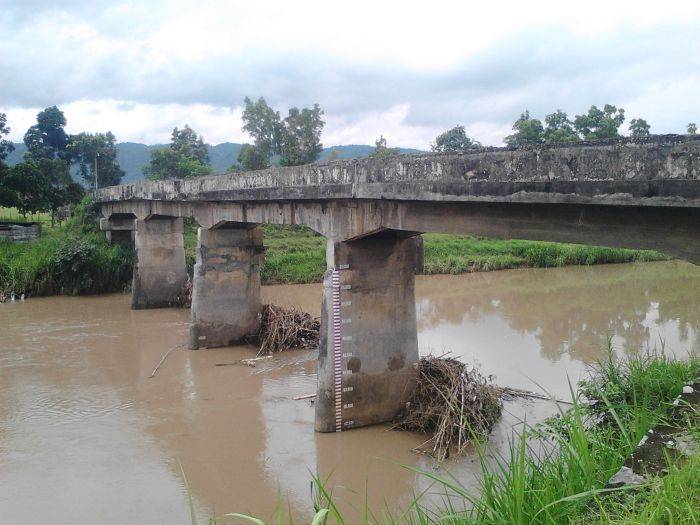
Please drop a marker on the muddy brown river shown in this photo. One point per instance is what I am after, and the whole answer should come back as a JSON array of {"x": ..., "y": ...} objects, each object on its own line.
[{"x": 87, "y": 437}]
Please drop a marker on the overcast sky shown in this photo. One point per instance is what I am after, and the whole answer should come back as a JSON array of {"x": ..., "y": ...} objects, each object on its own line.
[{"x": 405, "y": 70}]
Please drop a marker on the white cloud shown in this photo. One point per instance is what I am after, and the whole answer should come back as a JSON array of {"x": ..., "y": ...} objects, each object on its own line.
[
  {"x": 407, "y": 70},
  {"x": 135, "y": 122}
]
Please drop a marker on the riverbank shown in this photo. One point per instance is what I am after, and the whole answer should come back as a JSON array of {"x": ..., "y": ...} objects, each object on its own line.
[
  {"x": 297, "y": 255},
  {"x": 73, "y": 258},
  {"x": 557, "y": 472}
]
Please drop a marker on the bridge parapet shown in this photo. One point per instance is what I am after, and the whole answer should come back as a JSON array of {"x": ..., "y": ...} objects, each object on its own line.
[{"x": 664, "y": 171}]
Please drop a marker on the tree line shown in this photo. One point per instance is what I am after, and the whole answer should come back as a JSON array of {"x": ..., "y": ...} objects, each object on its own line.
[
  {"x": 42, "y": 181},
  {"x": 558, "y": 128}
]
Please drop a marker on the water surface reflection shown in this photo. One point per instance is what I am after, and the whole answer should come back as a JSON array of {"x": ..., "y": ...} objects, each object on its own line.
[{"x": 87, "y": 437}]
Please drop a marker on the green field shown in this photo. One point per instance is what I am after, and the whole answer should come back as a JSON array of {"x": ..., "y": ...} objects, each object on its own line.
[
  {"x": 295, "y": 254},
  {"x": 74, "y": 258},
  {"x": 13, "y": 215}
]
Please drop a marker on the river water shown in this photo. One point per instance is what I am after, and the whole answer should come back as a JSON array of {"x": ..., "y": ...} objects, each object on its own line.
[{"x": 87, "y": 437}]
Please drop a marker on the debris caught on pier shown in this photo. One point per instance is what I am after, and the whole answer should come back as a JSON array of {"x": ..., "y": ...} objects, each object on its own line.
[
  {"x": 454, "y": 403},
  {"x": 282, "y": 329}
]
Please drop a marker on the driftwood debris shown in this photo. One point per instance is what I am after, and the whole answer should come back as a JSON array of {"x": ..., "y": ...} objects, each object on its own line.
[
  {"x": 453, "y": 403},
  {"x": 162, "y": 360},
  {"x": 306, "y": 396},
  {"x": 507, "y": 392},
  {"x": 282, "y": 329},
  {"x": 252, "y": 361}
]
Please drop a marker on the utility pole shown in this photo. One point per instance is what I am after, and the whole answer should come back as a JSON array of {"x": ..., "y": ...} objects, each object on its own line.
[{"x": 97, "y": 154}]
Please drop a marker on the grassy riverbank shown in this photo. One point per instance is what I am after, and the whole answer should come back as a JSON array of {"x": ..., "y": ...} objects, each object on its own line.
[
  {"x": 295, "y": 254},
  {"x": 555, "y": 473},
  {"x": 72, "y": 258}
]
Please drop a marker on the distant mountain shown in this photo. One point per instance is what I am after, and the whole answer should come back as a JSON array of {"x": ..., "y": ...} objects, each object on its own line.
[{"x": 133, "y": 156}]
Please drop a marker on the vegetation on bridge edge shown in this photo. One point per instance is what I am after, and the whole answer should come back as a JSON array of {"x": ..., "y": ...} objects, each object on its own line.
[
  {"x": 74, "y": 258},
  {"x": 556, "y": 472}
]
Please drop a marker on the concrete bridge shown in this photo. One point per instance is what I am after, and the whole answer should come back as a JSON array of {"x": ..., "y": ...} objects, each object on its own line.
[{"x": 620, "y": 194}]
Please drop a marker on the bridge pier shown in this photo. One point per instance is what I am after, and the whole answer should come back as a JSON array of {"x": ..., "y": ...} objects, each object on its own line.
[
  {"x": 226, "y": 285},
  {"x": 374, "y": 321},
  {"x": 159, "y": 272}
]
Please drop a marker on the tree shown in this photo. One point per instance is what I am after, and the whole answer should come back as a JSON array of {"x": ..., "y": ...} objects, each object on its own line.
[
  {"x": 47, "y": 139},
  {"x": 300, "y": 137},
  {"x": 185, "y": 157},
  {"x": 639, "y": 128},
  {"x": 6, "y": 146},
  {"x": 186, "y": 143},
  {"x": 454, "y": 140},
  {"x": 528, "y": 131},
  {"x": 96, "y": 151},
  {"x": 600, "y": 124},
  {"x": 250, "y": 158},
  {"x": 262, "y": 123},
  {"x": 381, "y": 149},
  {"x": 559, "y": 129},
  {"x": 692, "y": 129},
  {"x": 43, "y": 181},
  {"x": 42, "y": 185},
  {"x": 296, "y": 139},
  {"x": 8, "y": 196}
]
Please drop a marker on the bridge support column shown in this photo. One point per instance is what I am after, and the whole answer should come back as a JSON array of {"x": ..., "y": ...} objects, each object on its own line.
[
  {"x": 159, "y": 273},
  {"x": 226, "y": 286},
  {"x": 375, "y": 315}
]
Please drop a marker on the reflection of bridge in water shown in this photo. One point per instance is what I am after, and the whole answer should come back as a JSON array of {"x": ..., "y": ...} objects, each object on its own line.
[{"x": 635, "y": 195}]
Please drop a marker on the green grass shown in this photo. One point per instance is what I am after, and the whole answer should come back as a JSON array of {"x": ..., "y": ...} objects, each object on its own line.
[
  {"x": 556, "y": 472},
  {"x": 69, "y": 259},
  {"x": 13, "y": 215},
  {"x": 461, "y": 254},
  {"x": 295, "y": 254}
]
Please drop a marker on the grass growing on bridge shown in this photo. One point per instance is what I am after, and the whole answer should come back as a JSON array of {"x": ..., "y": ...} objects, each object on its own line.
[{"x": 295, "y": 254}]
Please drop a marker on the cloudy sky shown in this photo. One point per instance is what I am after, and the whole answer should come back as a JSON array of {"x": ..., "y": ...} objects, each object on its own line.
[{"x": 406, "y": 70}]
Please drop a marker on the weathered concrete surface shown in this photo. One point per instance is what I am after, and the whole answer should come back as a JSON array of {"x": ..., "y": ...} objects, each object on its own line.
[
  {"x": 159, "y": 272},
  {"x": 19, "y": 232},
  {"x": 226, "y": 286},
  {"x": 378, "y": 325},
  {"x": 662, "y": 171}
]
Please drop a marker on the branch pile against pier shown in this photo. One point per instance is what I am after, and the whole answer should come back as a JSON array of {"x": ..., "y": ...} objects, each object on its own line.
[
  {"x": 454, "y": 403},
  {"x": 283, "y": 329}
]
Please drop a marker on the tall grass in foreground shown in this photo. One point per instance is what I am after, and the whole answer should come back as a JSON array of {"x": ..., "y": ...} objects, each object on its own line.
[{"x": 556, "y": 472}]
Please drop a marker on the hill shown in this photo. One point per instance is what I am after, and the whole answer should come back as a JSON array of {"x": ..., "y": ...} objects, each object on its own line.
[{"x": 133, "y": 156}]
